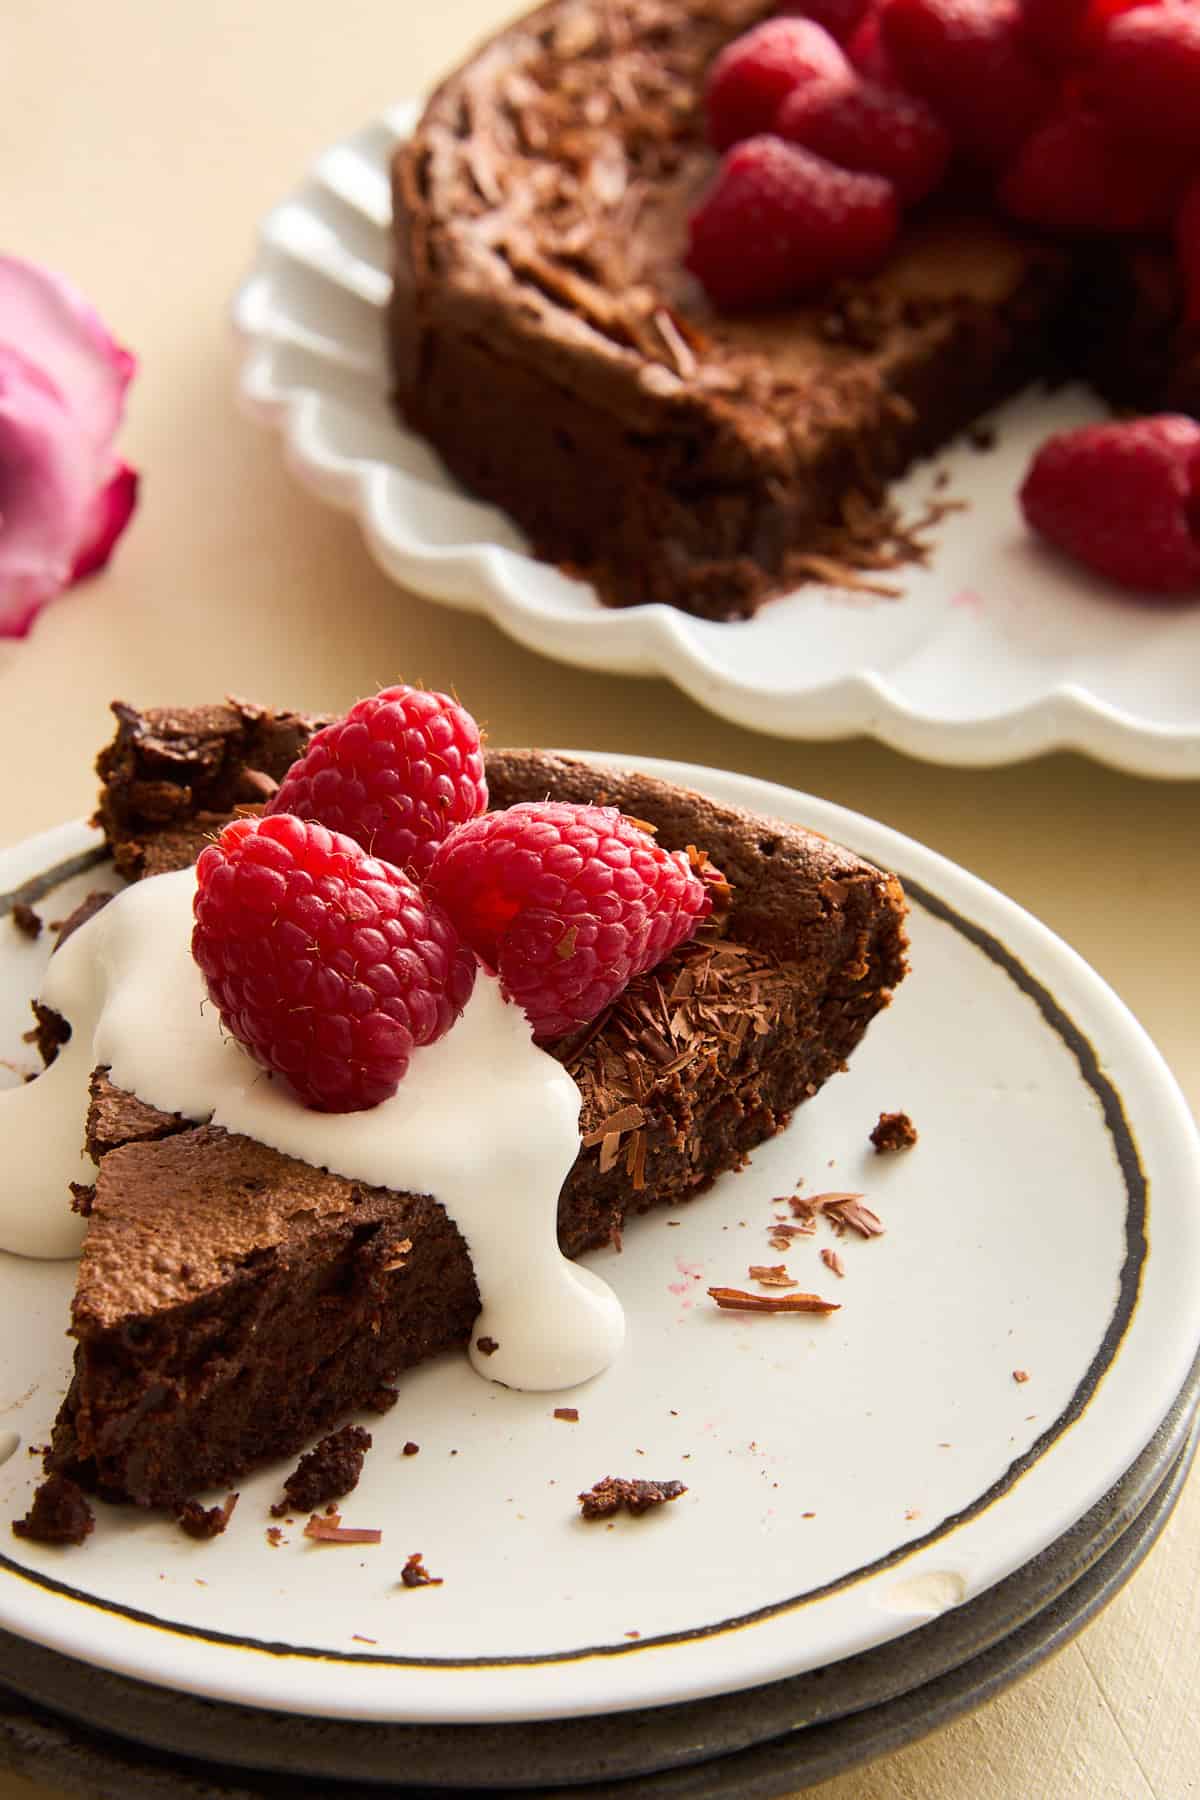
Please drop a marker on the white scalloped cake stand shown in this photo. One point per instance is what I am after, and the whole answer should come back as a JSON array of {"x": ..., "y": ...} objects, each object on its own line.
[{"x": 998, "y": 650}]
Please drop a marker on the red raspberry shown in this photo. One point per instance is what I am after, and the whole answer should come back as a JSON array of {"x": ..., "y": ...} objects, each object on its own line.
[
  {"x": 1074, "y": 175},
  {"x": 567, "y": 904},
  {"x": 1187, "y": 250},
  {"x": 865, "y": 52},
  {"x": 1122, "y": 498},
  {"x": 327, "y": 964},
  {"x": 1145, "y": 75},
  {"x": 778, "y": 221},
  {"x": 756, "y": 71},
  {"x": 840, "y": 18},
  {"x": 396, "y": 774},
  {"x": 1057, "y": 31},
  {"x": 967, "y": 59},
  {"x": 869, "y": 128}
]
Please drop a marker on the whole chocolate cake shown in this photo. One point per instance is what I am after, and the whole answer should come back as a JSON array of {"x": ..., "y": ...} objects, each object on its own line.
[
  {"x": 232, "y": 1302},
  {"x": 663, "y": 450}
]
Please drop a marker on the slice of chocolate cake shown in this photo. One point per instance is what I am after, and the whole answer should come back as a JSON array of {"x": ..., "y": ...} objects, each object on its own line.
[
  {"x": 667, "y": 452},
  {"x": 233, "y": 1303}
]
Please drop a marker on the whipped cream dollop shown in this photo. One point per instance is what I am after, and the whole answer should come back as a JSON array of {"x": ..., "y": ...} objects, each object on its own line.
[{"x": 483, "y": 1121}]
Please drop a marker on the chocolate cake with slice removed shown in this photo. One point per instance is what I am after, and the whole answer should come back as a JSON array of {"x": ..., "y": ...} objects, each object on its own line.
[
  {"x": 669, "y": 452},
  {"x": 665, "y": 451},
  {"x": 233, "y": 1303}
]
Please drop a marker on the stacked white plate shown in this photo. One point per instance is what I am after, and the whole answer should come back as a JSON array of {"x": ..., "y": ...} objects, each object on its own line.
[{"x": 890, "y": 1511}]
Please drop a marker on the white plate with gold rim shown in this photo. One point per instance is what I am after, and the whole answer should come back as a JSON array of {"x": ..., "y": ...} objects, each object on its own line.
[{"x": 848, "y": 1478}]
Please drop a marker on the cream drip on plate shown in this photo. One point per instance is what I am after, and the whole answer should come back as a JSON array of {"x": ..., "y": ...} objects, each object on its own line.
[{"x": 484, "y": 1121}]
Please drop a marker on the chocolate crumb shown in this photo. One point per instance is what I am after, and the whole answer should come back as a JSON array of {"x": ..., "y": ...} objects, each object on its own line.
[
  {"x": 616, "y": 1491},
  {"x": 895, "y": 1131},
  {"x": 486, "y": 1346},
  {"x": 833, "y": 1261},
  {"x": 735, "y": 1300},
  {"x": 410, "y": 1449},
  {"x": 912, "y": 1512},
  {"x": 569, "y": 1413},
  {"x": 357, "y": 1638},
  {"x": 414, "y": 1574},
  {"x": 1020, "y": 1375},
  {"x": 274, "y": 1536},
  {"x": 27, "y": 922},
  {"x": 326, "y": 1472},
  {"x": 633, "y": 1634},
  {"x": 204, "y": 1521},
  {"x": 383, "y": 1399},
  {"x": 59, "y": 1514}
]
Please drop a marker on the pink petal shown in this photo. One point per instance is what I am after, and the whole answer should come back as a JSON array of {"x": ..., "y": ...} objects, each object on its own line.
[
  {"x": 47, "y": 485},
  {"x": 52, "y": 325},
  {"x": 111, "y": 510}
]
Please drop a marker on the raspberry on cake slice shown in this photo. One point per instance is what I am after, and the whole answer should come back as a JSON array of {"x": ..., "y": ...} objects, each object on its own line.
[{"x": 234, "y": 1303}]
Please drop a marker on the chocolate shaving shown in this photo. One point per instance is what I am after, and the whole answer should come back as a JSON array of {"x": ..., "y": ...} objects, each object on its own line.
[
  {"x": 850, "y": 1211},
  {"x": 615, "y": 1492},
  {"x": 329, "y": 1531},
  {"x": 397, "y": 1256},
  {"x": 833, "y": 1261},
  {"x": 627, "y": 1118},
  {"x": 274, "y": 1536},
  {"x": 771, "y": 1275},
  {"x": 570, "y": 1413},
  {"x": 414, "y": 1574},
  {"x": 736, "y": 1300},
  {"x": 204, "y": 1521},
  {"x": 1020, "y": 1375}
]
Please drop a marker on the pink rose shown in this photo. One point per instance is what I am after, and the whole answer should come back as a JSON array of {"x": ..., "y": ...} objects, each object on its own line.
[{"x": 64, "y": 497}]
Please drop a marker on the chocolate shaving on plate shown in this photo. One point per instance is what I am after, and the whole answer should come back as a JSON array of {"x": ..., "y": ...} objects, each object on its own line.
[
  {"x": 735, "y": 1300},
  {"x": 858, "y": 1217},
  {"x": 771, "y": 1275},
  {"x": 329, "y": 1531}
]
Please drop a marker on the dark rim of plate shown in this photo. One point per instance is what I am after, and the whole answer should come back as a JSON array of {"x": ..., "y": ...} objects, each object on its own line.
[{"x": 796, "y": 1754}]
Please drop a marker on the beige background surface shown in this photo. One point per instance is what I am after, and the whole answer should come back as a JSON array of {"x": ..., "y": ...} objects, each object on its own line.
[{"x": 139, "y": 143}]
